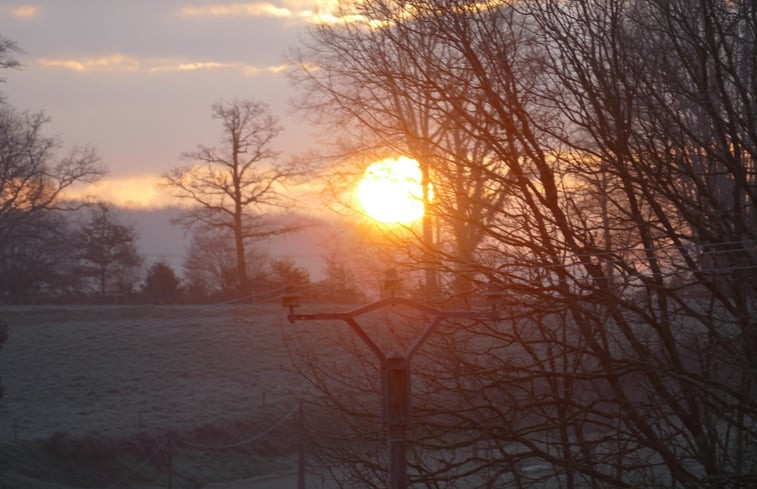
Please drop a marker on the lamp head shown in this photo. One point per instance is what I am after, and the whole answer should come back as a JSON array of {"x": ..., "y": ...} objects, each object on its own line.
[
  {"x": 290, "y": 299},
  {"x": 391, "y": 282},
  {"x": 494, "y": 294}
]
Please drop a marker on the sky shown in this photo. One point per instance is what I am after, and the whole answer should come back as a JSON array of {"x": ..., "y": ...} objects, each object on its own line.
[{"x": 136, "y": 79}]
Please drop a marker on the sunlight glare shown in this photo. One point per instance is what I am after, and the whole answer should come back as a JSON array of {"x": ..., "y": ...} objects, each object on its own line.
[{"x": 390, "y": 191}]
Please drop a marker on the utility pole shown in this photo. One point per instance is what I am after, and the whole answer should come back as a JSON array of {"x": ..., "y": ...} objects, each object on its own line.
[
  {"x": 396, "y": 397},
  {"x": 395, "y": 366}
]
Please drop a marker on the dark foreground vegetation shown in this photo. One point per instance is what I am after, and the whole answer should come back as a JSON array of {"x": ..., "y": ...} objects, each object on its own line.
[{"x": 188, "y": 459}]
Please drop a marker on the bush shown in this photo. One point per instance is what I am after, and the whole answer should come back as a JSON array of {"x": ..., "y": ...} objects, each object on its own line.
[{"x": 92, "y": 454}]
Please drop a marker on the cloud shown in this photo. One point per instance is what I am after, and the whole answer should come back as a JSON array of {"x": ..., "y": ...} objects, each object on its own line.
[
  {"x": 253, "y": 70},
  {"x": 329, "y": 18},
  {"x": 192, "y": 66},
  {"x": 115, "y": 62},
  {"x": 140, "y": 192},
  {"x": 327, "y": 12},
  {"x": 258, "y": 9},
  {"x": 25, "y": 11},
  {"x": 121, "y": 63}
]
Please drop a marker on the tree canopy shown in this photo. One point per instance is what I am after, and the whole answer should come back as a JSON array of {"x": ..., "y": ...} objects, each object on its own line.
[
  {"x": 613, "y": 143},
  {"x": 233, "y": 186}
]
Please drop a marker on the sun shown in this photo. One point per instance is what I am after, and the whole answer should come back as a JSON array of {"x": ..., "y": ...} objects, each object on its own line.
[{"x": 391, "y": 191}]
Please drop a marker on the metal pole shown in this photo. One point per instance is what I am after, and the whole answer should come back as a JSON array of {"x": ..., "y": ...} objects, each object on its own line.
[
  {"x": 396, "y": 416},
  {"x": 395, "y": 370},
  {"x": 398, "y": 456}
]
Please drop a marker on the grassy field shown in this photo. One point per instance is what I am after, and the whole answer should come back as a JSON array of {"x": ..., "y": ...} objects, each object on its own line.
[{"x": 81, "y": 380}]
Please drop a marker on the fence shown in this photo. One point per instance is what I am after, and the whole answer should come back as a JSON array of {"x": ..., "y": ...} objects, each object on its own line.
[{"x": 161, "y": 451}]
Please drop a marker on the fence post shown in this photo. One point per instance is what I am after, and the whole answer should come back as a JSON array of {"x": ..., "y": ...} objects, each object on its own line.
[
  {"x": 170, "y": 459},
  {"x": 301, "y": 448}
]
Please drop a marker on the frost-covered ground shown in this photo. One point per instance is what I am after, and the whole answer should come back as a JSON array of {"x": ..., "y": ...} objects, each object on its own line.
[
  {"x": 210, "y": 374},
  {"x": 117, "y": 370}
]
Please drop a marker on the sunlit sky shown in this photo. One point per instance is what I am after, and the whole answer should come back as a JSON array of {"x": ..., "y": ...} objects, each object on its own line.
[{"x": 136, "y": 79}]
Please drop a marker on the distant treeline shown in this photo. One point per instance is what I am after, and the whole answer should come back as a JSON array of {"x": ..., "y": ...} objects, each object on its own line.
[{"x": 93, "y": 257}]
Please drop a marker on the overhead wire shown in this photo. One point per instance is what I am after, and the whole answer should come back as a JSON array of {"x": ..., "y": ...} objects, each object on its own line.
[
  {"x": 242, "y": 443},
  {"x": 169, "y": 438}
]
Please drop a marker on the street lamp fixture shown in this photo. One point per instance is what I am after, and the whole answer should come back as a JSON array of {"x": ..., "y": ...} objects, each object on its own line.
[{"x": 395, "y": 365}]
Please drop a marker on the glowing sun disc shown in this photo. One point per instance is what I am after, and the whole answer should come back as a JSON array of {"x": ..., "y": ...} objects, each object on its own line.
[{"x": 391, "y": 191}]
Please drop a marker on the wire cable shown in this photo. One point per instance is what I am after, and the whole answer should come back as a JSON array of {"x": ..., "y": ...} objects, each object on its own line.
[{"x": 248, "y": 441}]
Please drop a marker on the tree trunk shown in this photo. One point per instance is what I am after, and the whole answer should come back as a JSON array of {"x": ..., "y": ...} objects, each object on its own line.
[
  {"x": 432, "y": 285},
  {"x": 242, "y": 283}
]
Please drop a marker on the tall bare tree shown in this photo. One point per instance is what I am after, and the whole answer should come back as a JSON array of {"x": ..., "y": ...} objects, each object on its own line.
[
  {"x": 32, "y": 177},
  {"x": 8, "y": 50},
  {"x": 369, "y": 85},
  {"x": 624, "y": 355},
  {"x": 235, "y": 184}
]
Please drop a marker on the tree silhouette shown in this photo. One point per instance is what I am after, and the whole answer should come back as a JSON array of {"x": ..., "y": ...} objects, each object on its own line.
[
  {"x": 161, "y": 284},
  {"x": 33, "y": 177},
  {"x": 624, "y": 136},
  {"x": 107, "y": 252},
  {"x": 233, "y": 186}
]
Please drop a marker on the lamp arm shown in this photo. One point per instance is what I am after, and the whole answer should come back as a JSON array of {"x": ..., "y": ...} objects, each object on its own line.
[
  {"x": 366, "y": 339},
  {"x": 422, "y": 337}
]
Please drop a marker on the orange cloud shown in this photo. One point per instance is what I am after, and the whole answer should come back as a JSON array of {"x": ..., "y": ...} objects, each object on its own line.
[
  {"x": 254, "y": 70},
  {"x": 259, "y": 9},
  {"x": 247, "y": 70},
  {"x": 325, "y": 14},
  {"x": 140, "y": 192},
  {"x": 192, "y": 66},
  {"x": 329, "y": 18},
  {"x": 62, "y": 63},
  {"x": 25, "y": 11},
  {"x": 115, "y": 62},
  {"x": 120, "y": 63}
]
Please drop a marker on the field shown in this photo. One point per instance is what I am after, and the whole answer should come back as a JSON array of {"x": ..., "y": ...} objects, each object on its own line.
[{"x": 87, "y": 387}]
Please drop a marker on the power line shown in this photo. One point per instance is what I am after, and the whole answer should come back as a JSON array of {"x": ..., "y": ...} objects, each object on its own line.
[{"x": 248, "y": 441}]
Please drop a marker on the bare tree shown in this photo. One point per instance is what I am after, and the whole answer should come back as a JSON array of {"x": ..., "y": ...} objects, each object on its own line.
[
  {"x": 32, "y": 179},
  {"x": 286, "y": 273},
  {"x": 624, "y": 133},
  {"x": 209, "y": 264},
  {"x": 369, "y": 84},
  {"x": 8, "y": 49},
  {"x": 39, "y": 261},
  {"x": 107, "y": 252},
  {"x": 34, "y": 244},
  {"x": 233, "y": 186}
]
